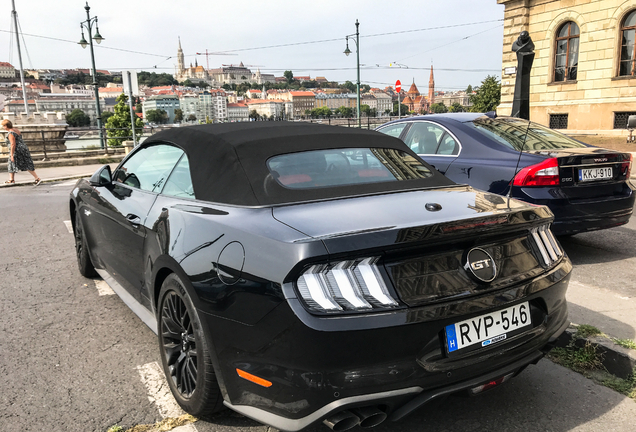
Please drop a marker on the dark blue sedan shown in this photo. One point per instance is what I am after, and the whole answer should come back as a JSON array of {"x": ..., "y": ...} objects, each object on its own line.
[{"x": 587, "y": 188}]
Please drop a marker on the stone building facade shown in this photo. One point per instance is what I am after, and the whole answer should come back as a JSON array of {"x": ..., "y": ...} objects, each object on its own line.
[{"x": 583, "y": 78}]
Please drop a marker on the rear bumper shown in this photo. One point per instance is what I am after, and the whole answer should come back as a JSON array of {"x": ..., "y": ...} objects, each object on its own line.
[
  {"x": 317, "y": 372},
  {"x": 572, "y": 216}
]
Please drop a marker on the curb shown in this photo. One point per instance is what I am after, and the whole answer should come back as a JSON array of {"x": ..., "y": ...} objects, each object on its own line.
[
  {"x": 48, "y": 180},
  {"x": 618, "y": 361}
]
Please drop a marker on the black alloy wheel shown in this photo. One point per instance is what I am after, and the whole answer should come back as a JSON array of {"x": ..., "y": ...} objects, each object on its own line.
[
  {"x": 184, "y": 354},
  {"x": 84, "y": 262}
]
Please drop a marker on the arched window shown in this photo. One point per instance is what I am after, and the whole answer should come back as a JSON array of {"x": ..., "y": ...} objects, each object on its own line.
[
  {"x": 567, "y": 52},
  {"x": 628, "y": 30}
]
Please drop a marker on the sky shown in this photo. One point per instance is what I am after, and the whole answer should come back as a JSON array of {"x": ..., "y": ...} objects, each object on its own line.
[{"x": 462, "y": 39}]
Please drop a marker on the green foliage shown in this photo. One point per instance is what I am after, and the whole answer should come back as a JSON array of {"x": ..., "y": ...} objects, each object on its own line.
[
  {"x": 438, "y": 108},
  {"x": 203, "y": 84},
  {"x": 625, "y": 343},
  {"x": 469, "y": 89},
  {"x": 86, "y": 79},
  {"x": 365, "y": 109},
  {"x": 365, "y": 88},
  {"x": 349, "y": 86},
  {"x": 178, "y": 115},
  {"x": 586, "y": 330},
  {"x": 456, "y": 107},
  {"x": 404, "y": 109},
  {"x": 289, "y": 75},
  {"x": 78, "y": 118},
  {"x": 119, "y": 125},
  {"x": 321, "y": 112},
  {"x": 579, "y": 359},
  {"x": 344, "y": 111},
  {"x": 158, "y": 116},
  {"x": 254, "y": 115},
  {"x": 115, "y": 428},
  {"x": 226, "y": 87},
  {"x": 106, "y": 115},
  {"x": 488, "y": 96},
  {"x": 187, "y": 83},
  {"x": 153, "y": 79}
]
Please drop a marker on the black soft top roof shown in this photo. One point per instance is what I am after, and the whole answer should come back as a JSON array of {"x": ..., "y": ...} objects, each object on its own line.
[{"x": 228, "y": 160}]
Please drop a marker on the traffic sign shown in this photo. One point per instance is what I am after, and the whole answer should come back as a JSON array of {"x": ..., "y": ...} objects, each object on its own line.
[{"x": 398, "y": 86}]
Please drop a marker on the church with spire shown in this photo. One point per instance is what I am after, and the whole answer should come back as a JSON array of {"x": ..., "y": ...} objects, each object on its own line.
[
  {"x": 418, "y": 103},
  {"x": 194, "y": 73}
]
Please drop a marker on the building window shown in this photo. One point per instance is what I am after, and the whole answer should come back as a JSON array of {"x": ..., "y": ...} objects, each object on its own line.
[
  {"x": 628, "y": 55},
  {"x": 567, "y": 52},
  {"x": 620, "y": 119},
  {"x": 558, "y": 121}
]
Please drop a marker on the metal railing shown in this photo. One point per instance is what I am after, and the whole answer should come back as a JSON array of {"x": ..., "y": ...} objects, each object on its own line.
[{"x": 77, "y": 135}]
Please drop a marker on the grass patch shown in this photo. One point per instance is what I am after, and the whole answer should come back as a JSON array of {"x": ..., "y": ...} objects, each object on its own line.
[
  {"x": 625, "y": 343},
  {"x": 164, "y": 425},
  {"x": 585, "y": 331},
  {"x": 579, "y": 359},
  {"x": 106, "y": 160}
]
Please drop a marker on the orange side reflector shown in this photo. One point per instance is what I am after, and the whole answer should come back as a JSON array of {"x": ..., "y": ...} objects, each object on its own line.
[{"x": 253, "y": 378}]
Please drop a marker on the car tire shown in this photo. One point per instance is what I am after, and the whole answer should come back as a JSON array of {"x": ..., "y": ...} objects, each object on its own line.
[
  {"x": 185, "y": 356},
  {"x": 84, "y": 262}
]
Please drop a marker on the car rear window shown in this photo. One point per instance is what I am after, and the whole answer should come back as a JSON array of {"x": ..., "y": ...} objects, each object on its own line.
[
  {"x": 511, "y": 132},
  {"x": 348, "y": 166}
]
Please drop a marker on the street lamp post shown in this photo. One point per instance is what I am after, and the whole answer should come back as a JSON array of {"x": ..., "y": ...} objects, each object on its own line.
[
  {"x": 98, "y": 38},
  {"x": 347, "y": 52}
]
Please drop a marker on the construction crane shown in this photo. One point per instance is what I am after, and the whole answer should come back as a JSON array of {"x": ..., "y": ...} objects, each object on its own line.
[{"x": 207, "y": 54}]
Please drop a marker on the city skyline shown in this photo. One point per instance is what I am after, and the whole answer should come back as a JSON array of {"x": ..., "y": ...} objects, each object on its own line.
[{"x": 464, "y": 44}]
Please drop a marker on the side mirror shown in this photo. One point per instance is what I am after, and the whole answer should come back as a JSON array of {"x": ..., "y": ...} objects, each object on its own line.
[{"x": 102, "y": 177}]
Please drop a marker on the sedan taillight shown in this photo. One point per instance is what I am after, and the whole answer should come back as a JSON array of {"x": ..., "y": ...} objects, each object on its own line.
[
  {"x": 626, "y": 167},
  {"x": 345, "y": 286},
  {"x": 545, "y": 173}
]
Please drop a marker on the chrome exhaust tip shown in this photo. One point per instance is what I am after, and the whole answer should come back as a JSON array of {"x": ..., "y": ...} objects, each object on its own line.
[
  {"x": 369, "y": 416},
  {"x": 342, "y": 421}
]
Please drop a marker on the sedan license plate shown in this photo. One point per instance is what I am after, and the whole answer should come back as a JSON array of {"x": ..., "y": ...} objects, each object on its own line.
[
  {"x": 591, "y": 174},
  {"x": 487, "y": 329}
]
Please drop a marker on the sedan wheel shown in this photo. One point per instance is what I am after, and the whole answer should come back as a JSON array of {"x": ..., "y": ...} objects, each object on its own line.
[{"x": 184, "y": 354}]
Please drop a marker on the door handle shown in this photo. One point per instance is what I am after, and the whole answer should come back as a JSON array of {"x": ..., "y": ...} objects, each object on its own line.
[{"x": 133, "y": 219}]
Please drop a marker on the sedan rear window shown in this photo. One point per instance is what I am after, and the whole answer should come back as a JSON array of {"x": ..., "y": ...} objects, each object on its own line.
[
  {"x": 349, "y": 166},
  {"x": 512, "y": 132}
]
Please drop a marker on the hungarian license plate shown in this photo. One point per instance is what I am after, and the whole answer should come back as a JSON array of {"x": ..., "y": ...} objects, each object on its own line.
[
  {"x": 591, "y": 174},
  {"x": 487, "y": 329}
]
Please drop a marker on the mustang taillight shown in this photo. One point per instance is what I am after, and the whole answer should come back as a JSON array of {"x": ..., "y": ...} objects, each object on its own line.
[
  {"x": 626, "y": 167},
  {"x": 345, "y": 286},
  {"x": 547, "y": 245},
  {"x": 545, "y": 173}
]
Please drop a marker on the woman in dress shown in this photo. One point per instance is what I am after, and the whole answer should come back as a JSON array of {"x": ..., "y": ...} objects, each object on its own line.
[{"x": 19, "y": 155}]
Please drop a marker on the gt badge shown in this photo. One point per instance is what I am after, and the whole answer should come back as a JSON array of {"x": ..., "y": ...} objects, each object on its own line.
[{"x": 480, "y": 265}]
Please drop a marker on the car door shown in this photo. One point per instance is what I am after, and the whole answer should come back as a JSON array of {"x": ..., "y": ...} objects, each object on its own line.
[
  {"x": 121, "y": 210},
  {"x": 433, "y": 143}
]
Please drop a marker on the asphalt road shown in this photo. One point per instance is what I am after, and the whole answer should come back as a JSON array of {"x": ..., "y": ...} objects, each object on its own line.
[{"x": 73, "y": 357}]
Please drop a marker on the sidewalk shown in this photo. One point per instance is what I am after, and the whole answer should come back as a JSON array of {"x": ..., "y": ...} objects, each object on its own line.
[{"x": 52, "y": 174}]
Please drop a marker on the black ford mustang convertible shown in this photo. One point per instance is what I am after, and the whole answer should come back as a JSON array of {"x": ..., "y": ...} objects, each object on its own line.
[{"x": 302, "y": 273}]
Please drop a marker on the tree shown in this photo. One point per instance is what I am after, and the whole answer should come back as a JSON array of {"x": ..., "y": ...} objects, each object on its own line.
[
  {"x": 403, "y": 109},
  {"x": 187, "y": 83},
  {"x": 158, "y": 116},
  {"x": 487, "y": 96},
  {"x": 119, "y": 125},
  {"x": 226, "y": 87},
  {"x": 365, "y": 109},
  {"x": 78, "y": 118},
  {"x": 152, "y": 79},
  {"x": 254, "y": 115},
  {"x": 456, "y": 107},
  {"x": 178, "y": 115},
  {"x": 203, "y": 84},
  {"x": 345, "y": 111},
  {"x": 106, "y": 115},
  {"x": 321, "y": 112},
  {"x": 438, "y": 108},
  {"x": 349, "y": 86},
  {"x": 469, "y": 89},
  {"x": 289, "y": 76}
]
